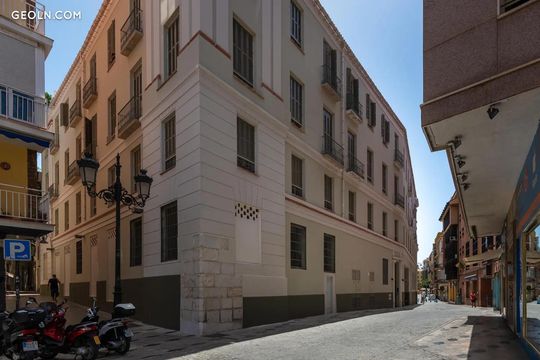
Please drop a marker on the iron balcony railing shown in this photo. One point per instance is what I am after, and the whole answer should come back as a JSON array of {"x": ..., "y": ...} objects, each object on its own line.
[
  {"x": 353, "y": 104},
  {"x": 356, "y": 166},
  {"x": 90, "y": 91},
  {"x": 30, "y": 14},
  {"x": 399, "y": 200},
  {"x": 128, "y": 117},
  {"x": 53, "y": 191},
  {"x": 331, "y": 79},
  {"x": 131, "y": 31},
  {"x": 75, "y": 113},
  {"x": 331, "y": 148},
  {"x": 73, "y": 173},
  {"x": 21, "y": 203},
  {"x": 398, "y": 158}
]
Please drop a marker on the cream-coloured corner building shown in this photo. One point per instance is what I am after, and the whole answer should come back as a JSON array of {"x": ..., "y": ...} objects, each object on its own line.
[{"x": 282, "y": 187}]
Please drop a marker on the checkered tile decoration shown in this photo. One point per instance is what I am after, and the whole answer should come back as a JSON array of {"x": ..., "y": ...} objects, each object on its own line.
[
  {"x": 246, "y": 212},
  {"x": 93, "y": 240}
]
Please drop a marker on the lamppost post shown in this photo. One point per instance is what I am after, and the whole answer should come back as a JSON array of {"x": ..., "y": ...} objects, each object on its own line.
[
  {"x": 116, "y": 194},
  {"x": 118, "y": 259}
]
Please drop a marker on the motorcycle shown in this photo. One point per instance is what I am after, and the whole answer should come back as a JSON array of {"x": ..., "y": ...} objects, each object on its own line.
[
  {"x": 20, "y": 331},
  {"x": 113, "y": 334},
  {"x": 80, "y": 339}
]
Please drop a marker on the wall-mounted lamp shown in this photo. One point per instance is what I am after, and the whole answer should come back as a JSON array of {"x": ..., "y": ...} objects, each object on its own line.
[
  {"x": 466, "y": 186},
  {"x": 459, "y": 160},
  {"x": 492, "y": 111},
  {"x": 456, "y": 142},
  {"x": 463, "y": 176}
]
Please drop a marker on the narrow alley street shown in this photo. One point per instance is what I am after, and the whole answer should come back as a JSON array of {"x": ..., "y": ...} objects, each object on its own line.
[{"x": 429, "y": 331}]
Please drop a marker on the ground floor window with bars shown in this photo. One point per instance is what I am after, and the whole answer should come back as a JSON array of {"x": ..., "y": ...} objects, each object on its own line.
[
  {"x": 245, "y": 143},
  {"x": 79, "y": 257},
  {"x": 135, "y": 242},
  {"x": 329, "y": 253},
  {"x": 169, "y": 232},
  {"x": 297, "y": 176},
  {"x": 298, "y": 247}
]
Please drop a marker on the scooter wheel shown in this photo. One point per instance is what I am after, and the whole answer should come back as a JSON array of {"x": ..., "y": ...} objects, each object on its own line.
[
  {"x": 92, "y": 350},
  {"x": 125, "y": 345}
]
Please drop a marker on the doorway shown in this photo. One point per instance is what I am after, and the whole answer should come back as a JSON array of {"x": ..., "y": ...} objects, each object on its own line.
[
  {"x": 329, "y": 294},
  {"x": 397, "y": 281}
]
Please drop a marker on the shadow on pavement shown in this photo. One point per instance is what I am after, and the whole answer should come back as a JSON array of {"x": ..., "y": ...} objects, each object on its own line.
[{"x": 492, "y": 339}]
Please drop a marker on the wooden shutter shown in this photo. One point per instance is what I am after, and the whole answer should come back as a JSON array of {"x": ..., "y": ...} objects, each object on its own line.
[
  {"x": 94, "y": 135},
  {"x": 383, "y": 126},
  {"x": 368, "y": 109},
  {"x": 87, "y": 135},
  {"x": 64, "y": 114},
  {"x": 373, "y": 114},
  {"x": 387, "y": 132}
]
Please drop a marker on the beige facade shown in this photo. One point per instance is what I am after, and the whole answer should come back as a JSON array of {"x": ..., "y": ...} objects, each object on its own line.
[{"x": 231, "y": 263}]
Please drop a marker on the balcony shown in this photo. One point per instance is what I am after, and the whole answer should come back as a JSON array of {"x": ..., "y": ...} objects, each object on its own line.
[
  {"x": 21, "y": 203},
  {"x": 131, "y": 32},
  {"x": 353, "y": 108},
  {"x": 53, "y": 192},
  {"x": 331, "y": 82},
  {"x": 55, "y": 144},
  {"x": 128, "y": 117},
  {"x": 21, "y": 107},
  {"x": 73, "y": 174},
  {"x": 7, "y": 7},
  {"x": 399, "y": 159},
  {"x": 399, "y": 200},
  {"x": 89, "y": 92},
  {"x": 355, "y": 166},
  {"x": 331, "y": 148},
  {"x": 75, "y": 113}
]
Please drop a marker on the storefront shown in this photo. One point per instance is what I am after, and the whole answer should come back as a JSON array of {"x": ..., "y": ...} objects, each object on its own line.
[{"x": 523, "y": 253}]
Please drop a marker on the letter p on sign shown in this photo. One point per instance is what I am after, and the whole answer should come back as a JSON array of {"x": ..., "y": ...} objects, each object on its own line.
[{"x": 18, "y": 250}]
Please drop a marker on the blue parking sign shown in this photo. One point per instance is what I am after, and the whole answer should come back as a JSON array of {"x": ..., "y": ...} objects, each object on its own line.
[{"x": 18, "y": 250}]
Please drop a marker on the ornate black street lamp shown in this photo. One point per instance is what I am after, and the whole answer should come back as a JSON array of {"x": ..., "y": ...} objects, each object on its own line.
[{"x": 88, "y": 168}]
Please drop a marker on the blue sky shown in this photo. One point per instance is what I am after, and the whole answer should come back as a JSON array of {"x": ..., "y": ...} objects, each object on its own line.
[{"x": 386, "y": 36}]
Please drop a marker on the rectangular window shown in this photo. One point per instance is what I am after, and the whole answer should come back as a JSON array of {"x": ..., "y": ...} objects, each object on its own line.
[
  {"x": 66, "y": 215},
  {"x": 384, "y": 223},
  {"x": 111, "y": 52},
  {"x": 93, "y": 206},
  {"x": 245, "y": 145},
  {"x": 169, "y": 232},
  {"x": 351, "y": 151},
  {"x": 297, "y": 99},
  {"x": 3, "y": 101},
  {"x": 171, "y": 47},
  {"x": 78, "y": 212},
  {"x": 298, "y": 247},
  {"x": 56, "y": 222},
  {"x": 112, "y": 116},
  {"x": 329, "y": 253},
  {"x": 385, "y": 271},
  {"x": 507, "y": 5},
  {"x": 135, "y": 242},
  {"x": 79, "y": 254},
  {"x": 78, "y": 148},
  {"x": 169, "y": 143},
  {"x": 297, "y": 170},
  {"x": 22, "y": 107},
  {"x": 467, "y": 249},
  {"x": 352, "y": 206},
  {"x": 111, "y": 176},
  {"x": 475, "y": 246},
  {"x": 384, "y": 179},
  {"x": 370, "y": 166},
  {"x": 396, "y": 230},
  {"x": 370, "y": 216},
  {"x": 243, "y": 53},
  {"x": 135, "y": 165},
  {"x": 66, "y": 164},
  {"x": 296, "y": 23},
  {"x": 328, "y": 192}
]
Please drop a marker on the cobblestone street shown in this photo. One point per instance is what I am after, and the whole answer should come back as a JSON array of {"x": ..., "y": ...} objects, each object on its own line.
[{"x": 429, "y": 331}]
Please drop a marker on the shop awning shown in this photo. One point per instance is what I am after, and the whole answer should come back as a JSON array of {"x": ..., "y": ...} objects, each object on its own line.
[
  {"x": 488, "y": 255},
  {"x": 24, "y": 138}
]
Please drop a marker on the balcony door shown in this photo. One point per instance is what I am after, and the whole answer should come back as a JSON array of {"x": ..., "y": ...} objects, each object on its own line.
[
  {"x": 136, "y": 89},
  {"x": 328, "y": 124}
]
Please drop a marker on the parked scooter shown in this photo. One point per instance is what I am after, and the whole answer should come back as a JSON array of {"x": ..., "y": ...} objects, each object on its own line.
[
  {"x": 81, "y": 339},
  {"x": 20, "y": 331},
  {"x": 113, "y": 334}
]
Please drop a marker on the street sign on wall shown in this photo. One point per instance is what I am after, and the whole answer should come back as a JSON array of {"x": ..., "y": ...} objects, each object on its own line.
[{"x": 18, "y": 250}]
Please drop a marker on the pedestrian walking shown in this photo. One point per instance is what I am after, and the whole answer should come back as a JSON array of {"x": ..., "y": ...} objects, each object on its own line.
[
  {"x": 472, "y": 296},
  {"x": 54, "y": 286}
]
